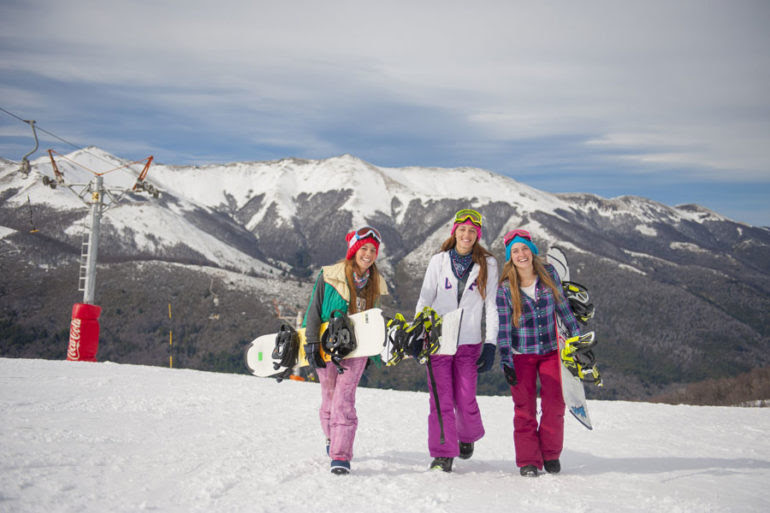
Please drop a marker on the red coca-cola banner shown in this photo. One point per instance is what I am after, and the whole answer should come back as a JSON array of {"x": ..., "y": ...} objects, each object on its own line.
[{"x": 84, "y": 333}]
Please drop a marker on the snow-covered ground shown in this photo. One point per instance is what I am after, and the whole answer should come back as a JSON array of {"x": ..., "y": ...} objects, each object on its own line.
[{"x": 102, "y": 437}]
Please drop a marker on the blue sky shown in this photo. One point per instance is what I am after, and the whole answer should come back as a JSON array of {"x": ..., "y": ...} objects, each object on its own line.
[{"x": 666, "y": 100}]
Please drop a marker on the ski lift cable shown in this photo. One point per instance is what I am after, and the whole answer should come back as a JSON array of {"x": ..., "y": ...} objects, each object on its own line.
[
  {"x": 138, "y": 186},
  {"x": 47, "y": 132},
  {"x": 14, "y": 115},
  {"x": 103, "y": 172},
  {"x": 81, "y": 148}
]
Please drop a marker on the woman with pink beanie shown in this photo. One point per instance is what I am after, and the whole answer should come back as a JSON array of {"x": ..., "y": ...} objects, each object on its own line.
[{"x": 351, "y": 285}]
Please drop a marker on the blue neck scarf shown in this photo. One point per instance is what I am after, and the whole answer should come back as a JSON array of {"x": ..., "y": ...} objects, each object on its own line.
[{"x": 461, "y": 264}]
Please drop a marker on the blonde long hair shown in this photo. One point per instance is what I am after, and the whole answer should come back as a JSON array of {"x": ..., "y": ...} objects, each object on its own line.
[
  {"x": 479, "y": 256},
  {"x": 511, "y": 274},
  {"x": 371, "y": 291}
]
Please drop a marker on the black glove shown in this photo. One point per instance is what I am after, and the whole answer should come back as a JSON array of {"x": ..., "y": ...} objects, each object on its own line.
[
  {"x": 314, "y": 358},
  {"x": 510, "y": 375},
  {"x": 487, "y": 358}
]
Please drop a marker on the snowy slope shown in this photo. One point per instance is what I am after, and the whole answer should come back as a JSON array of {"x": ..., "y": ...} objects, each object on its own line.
[{"x": 78, "y": 437}]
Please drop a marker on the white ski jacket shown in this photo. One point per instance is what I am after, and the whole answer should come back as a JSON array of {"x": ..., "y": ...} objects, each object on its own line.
[{"x": 439, "y": 291}]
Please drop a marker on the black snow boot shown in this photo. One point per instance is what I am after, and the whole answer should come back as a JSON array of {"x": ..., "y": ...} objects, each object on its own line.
[
  {"x": 528, "y": 471},
  {"x": 466, "y": 450},
  {"x": 552, "y": 466},
  {"x": 444, "y": 464}
]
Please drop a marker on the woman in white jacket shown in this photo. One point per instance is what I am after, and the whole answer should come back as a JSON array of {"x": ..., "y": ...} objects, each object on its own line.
[{"x": 462, "y": 275}]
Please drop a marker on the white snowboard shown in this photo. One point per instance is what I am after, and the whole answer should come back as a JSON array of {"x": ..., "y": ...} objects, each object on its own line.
[
  {"x": 571, "y": 386},
  {"x": 369, "y": 327},
  {"x": 258, "y": 356},
  {"x": 450, "y": 332}
]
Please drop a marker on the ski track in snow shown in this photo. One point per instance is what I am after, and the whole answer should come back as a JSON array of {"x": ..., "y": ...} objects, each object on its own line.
[{"x": 98, "y": 437}]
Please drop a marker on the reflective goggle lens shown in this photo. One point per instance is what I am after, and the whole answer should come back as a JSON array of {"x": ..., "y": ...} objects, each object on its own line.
[
  {"x": 363, "y": 233},
  {"x": 467, "y": 213},
  {"x": 516, "y": 233}
]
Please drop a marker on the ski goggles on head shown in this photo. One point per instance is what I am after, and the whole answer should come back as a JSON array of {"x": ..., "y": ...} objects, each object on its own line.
[
  {"x": 364, "y": 233},
  {"x": 524, "y": 234},
  {"x": 468, "y": 214}
]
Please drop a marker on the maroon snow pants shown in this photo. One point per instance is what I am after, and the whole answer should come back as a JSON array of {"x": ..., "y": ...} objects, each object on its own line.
[{"x": 535, "y": 443}]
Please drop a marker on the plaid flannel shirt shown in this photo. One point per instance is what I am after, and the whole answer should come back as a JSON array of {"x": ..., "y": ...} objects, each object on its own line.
[{"x": 536, "y": 333}]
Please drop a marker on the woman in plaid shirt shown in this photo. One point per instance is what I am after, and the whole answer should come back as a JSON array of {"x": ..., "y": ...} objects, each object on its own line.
[{"x": 529, "y": 298}]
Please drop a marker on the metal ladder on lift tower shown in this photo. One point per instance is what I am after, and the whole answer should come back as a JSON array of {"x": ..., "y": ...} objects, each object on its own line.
[{"x": 85, "y": 247}]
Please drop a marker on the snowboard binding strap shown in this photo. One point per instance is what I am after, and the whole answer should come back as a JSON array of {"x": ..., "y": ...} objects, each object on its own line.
[
  {"x": 578, "y": 356},
  {"x": 424, "y": 334},
  {"x": 397, "y": 339},
  {"x": 419, "y": 339},
  {"x": 590, "y": 375},
  {"x": 286, "y": 348},
  {"x": 339, "y": 338},
  {"x": 576, "y": 291},
  {"x": 579, "y": 301},
  {"x": 286, "y": 352},
  {"x": 432, "y": 323}
]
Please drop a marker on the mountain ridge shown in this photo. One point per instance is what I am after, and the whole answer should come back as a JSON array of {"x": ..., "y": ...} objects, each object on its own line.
[{"x": 283, "y": 219}]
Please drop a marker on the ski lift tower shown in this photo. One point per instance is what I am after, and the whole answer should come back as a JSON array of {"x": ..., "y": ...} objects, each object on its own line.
[{"x": 84, "y": 330}]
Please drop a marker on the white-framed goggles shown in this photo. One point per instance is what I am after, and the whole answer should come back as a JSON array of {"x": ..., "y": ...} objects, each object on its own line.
[{"x": 364, "y": 233}]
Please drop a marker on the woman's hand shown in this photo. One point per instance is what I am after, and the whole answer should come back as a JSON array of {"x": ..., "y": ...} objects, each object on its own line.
[{"x": 487, "y": 358}]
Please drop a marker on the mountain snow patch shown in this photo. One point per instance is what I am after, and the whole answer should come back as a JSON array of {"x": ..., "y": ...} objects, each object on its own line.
[
  {"x": 687, "y": 246},
  {"x": 646, "y": 230}
]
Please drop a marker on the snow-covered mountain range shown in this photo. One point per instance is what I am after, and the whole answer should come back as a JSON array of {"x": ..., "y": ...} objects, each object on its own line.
[
  {"x": 669, "y": 283},
  {"x": 297, "y": 207}
]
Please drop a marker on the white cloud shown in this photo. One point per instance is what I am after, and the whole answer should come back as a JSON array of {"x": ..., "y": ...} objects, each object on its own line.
[{"x": 656, "y": 82}]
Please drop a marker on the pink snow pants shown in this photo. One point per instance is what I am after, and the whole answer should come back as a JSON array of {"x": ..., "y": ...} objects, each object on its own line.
[
  {"x": 534, "y": 443},
  {"x": 338, "y": 405},
  {"x": 456, "y": 378}
]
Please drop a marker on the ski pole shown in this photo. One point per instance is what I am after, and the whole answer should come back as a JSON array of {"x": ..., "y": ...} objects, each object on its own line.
[{"x": 435, "y": 399}]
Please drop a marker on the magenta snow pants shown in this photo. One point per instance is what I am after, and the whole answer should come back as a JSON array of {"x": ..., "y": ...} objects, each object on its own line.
[
  {"x": 338, "y": 405},
  {"x": 456, "y": 378},
  {"x": 534, "y": 443}
]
